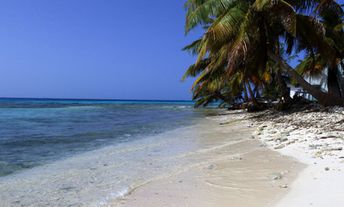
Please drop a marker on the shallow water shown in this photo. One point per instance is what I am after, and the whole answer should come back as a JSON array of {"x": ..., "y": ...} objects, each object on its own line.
[
  {"x": 86, "y": 153},
  {"x": 35, "y": 132},
  {"x": 96, "y": 177},
  {"x": 159, "y": 142}
]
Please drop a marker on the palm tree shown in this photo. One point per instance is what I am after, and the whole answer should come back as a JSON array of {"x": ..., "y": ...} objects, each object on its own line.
[
  {"x": 210, "y": 87},
  {"x": 244, "y": 36}
]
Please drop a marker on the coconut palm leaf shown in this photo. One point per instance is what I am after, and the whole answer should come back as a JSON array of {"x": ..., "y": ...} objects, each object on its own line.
[{"x": 202, "y": 12}]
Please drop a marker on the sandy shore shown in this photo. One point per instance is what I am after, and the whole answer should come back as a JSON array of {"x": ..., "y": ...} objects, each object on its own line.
[
  {"x": 236, "y": 170},
  {"x": 280, "y": 160},
  {"x": 316, "y": 138},
  {"x": 234, "y": 159}
]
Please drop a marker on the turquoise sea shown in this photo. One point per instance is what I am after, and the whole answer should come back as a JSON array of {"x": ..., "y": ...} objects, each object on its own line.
[
  {"x": 34, "y": 132},
  {"x": 56, "y": 152}
]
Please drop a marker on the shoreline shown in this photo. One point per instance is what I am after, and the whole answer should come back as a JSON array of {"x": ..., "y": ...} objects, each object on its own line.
[
  {"x": 235, "y": 158},
  {"x": 95, "y": 177},
  {"x": 242, "y": 173},
  {"x": 313, "y": 137}
]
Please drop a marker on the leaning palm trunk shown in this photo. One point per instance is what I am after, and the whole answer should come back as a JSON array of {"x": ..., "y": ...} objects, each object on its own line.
[{"x": 326, "y": 99}]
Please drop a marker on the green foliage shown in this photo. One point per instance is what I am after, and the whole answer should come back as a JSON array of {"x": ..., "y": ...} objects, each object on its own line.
[{"x": 240, "y": 36}]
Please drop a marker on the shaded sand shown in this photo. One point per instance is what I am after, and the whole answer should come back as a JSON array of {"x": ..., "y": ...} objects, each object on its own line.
[{"x": 230, "y": 169}]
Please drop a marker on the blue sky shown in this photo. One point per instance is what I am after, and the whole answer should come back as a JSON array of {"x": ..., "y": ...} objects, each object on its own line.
[{"x": 93, "y": 49}]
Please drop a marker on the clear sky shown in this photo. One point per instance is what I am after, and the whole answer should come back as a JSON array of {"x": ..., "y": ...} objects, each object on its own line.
[{"x": 93, "y": 49}]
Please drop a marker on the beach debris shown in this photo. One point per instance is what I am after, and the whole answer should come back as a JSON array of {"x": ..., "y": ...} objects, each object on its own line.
[
  {"x": 280, "y": 146},
  {"x": 334, "y": 149},
  {"x": 273, "y": 132},
  {"x": 236, "y": 158},
  {"x": 284, "y": 139},
  {"x": 327, "y": 168},
  {"x": 225, "y": 123},
  {"x": 318, "y": 133},
  {"x": 283, "y": 186},
  {"x": 327, "y": 137},
  {"x": 277, "y": 176},
  {"x": 291, "y": 142}
]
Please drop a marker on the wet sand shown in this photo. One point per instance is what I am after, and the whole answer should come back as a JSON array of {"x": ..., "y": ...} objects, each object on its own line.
[{"x": 231, "y": 170}]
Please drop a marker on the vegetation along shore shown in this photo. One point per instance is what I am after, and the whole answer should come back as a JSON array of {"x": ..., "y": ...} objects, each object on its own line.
[
  {"x": 247, "y": 49},
  {"x": 284, "y": 58}
]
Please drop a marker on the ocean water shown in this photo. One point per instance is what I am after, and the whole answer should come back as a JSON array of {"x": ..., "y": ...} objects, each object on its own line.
[
  {"x": 34, "y": 132},
  {"x": 89, "y": 152}
]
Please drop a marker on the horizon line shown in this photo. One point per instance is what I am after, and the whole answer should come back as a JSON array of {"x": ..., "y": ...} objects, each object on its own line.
[{"x": 95, "y": 99}]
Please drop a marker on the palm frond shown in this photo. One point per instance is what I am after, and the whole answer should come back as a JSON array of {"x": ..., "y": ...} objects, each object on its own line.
[{"x": 202, "y": 12}]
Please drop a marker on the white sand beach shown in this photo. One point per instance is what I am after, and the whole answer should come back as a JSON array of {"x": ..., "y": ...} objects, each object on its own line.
[
  {"x": 315, "y": 138},
  {"x": 236, "y": 170},
  {"x": 189, "y": 103},
  {"x": 234, "y": 159},
  {"x": 290, "y": 160}
]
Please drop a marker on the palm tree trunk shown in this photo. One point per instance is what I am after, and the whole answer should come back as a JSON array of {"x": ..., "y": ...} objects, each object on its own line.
[
  {"x": 326, "y": 99},
  {"x": 332, "y": 82},
  {"x": 340, "y": 78},
  {"x": 283, "y": 87},
  {"x": 253, "y": 98},
  {"x": 245, "y": 92}
]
